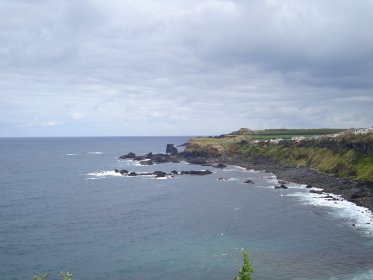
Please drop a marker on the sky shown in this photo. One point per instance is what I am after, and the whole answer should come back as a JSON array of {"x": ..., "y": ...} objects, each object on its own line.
[{"x": 183, "y": 67}]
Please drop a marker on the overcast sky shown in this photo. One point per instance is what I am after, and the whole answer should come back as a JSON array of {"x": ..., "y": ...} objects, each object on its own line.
[{"x": 183, "y": 67}]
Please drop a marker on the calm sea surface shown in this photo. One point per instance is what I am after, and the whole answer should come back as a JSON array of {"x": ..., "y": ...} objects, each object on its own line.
[{"x": 61, "y": 209}]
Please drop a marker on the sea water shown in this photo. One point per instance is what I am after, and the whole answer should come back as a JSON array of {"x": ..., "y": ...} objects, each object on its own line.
[{"x": 63, "y": 208}]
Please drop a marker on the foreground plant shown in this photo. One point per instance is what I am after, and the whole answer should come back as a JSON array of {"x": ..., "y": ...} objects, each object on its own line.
[
  {"x": 246, "y": 270},
  {"x": 41, "y": 277},
  {"x": 64, "y": 275}
]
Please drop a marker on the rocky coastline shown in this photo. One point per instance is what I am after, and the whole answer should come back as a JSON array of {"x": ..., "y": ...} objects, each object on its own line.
[{"x": 358, "y": 192}]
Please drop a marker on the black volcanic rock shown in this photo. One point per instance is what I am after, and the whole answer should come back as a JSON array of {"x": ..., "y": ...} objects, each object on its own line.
[
  {"x": 200, "y": 172},
  {"x": 132, "y": 174},
  {"x": 128, "y": 156},
  {"x": 220, "y": 165},
  {"x": 139, "y": 158},
  {"x": 123, "y": 171},
  {"x": 282, "y": 186},
  {"x": 199, "y": 161},
  {"x": 171, "y": 149},
  {"x": 196, "y": 172},
  {"x": 149, "y": 156},
  {"x": 159, "y": 174},
  {"x": 317, "y": 192},
  {"x": 146, "y": 162},
  {"x": 249, "y": 182}
]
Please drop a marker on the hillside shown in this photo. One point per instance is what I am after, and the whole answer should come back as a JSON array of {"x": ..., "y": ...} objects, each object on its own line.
[{"x": 346, "y": 155}]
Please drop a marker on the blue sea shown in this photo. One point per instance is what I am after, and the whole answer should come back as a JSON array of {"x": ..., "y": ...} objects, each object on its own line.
[{"x": 62, "y": 208}]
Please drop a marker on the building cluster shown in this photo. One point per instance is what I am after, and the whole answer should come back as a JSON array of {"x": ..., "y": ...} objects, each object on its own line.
[
  {"x": 356, "y": 131},
  {"x": 362, "y": 130}
]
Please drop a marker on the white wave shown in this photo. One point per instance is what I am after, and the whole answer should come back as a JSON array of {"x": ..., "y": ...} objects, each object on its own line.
[
  {"x": 96, "y": 153},
  {"x": 316, "y": 189},
  {"x": 94, "y": 178},
  {"x": 234, "y": 168},
  {"x": 72, "y": 154},
  {"x": 227, "y": 179},
  {"x": 264, "y": 187},
  {"x": 240, "y": 168},
  {"x": 364, "y": 276},
  {"x": 354, "y": 215},
  {"x": 127, "y": 162},
  {"x": 105, "y": 174},
  {"x": 360, "y": 276},
  {"x": 360, "y": 217},
  {"x": 164, "y": 178},
  {"x": 253, "y": 171},
  {"x": 272, "y": 179}
]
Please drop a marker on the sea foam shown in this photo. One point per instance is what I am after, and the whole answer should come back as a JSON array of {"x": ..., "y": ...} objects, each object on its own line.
[
  {"x": 95, "y": 153},
  {"x": 105, "y": 174},
  {"x": 354, "y": 215}
]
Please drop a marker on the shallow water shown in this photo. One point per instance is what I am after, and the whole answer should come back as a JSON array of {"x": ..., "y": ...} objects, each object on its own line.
[{"x": 63, "y": 209}]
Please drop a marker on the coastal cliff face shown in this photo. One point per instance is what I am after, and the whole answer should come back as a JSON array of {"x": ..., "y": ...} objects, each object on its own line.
[
  {"x": 195, "y": 149},
  {"x": 341, "y": 165},
  {"x": 361, "y": 144},
  {"x": 349, "y": 156}
]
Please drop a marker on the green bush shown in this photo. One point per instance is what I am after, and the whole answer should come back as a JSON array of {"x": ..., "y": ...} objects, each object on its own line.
[
  {"x": 246, "y": 270},
  {"x": 41, "y": 277},
  {"x": 64, "y": 276}
]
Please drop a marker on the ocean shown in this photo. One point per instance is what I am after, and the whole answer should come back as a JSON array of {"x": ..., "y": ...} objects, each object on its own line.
[{"x": 63, "y": 208}]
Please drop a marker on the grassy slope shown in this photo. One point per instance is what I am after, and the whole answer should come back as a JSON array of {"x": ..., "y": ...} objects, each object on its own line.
[{"x": 346, "y": 163}]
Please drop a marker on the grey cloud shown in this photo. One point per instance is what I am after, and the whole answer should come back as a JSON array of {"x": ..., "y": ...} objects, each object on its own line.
[
  {"x": 326, "y": 40},
  {"x": 188, "y": 67}
]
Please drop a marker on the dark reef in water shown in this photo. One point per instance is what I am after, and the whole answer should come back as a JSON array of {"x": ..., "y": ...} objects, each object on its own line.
[{"x": 358, "y": 192}]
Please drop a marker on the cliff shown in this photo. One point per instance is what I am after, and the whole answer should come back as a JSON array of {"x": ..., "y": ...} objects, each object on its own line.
[
  {"x": 342, "y": 165},
  {"x": 347, "y": 155}
]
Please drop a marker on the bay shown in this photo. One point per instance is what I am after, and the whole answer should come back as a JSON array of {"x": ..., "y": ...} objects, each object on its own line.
[{"x": 61, "y": 209}]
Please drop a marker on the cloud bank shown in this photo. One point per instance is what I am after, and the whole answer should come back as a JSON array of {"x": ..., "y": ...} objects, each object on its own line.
[{"x": 183, "y": 67}]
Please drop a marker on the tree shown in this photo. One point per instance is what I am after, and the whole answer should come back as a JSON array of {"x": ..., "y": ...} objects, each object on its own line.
[{"x": 246, "y": 270}]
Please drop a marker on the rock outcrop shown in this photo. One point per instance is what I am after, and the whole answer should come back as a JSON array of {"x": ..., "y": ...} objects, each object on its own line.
[
  {"x": 171, "y": 149},
  {"x": 196, "y": 172},
  {"x": 128, "y": 156},
  {"x": 195, "y": 150}
]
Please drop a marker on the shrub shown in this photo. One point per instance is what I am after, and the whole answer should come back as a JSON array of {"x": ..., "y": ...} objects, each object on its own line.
[
  {"x": 246, "y": 270},
  {"x": 64, "y": 276}
]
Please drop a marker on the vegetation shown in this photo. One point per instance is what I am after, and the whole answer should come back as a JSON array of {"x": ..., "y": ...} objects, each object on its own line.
[
  {"x": 285, "y": 131},
  {"x": 64, "y": 276},
  {"x": 246, "y": 270},
  {"x": 348, "y": 155},
  {"x": 245, "y": 273},
  {"x": 267, "y": 134},
  {"x": 41, "y": 277}
]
